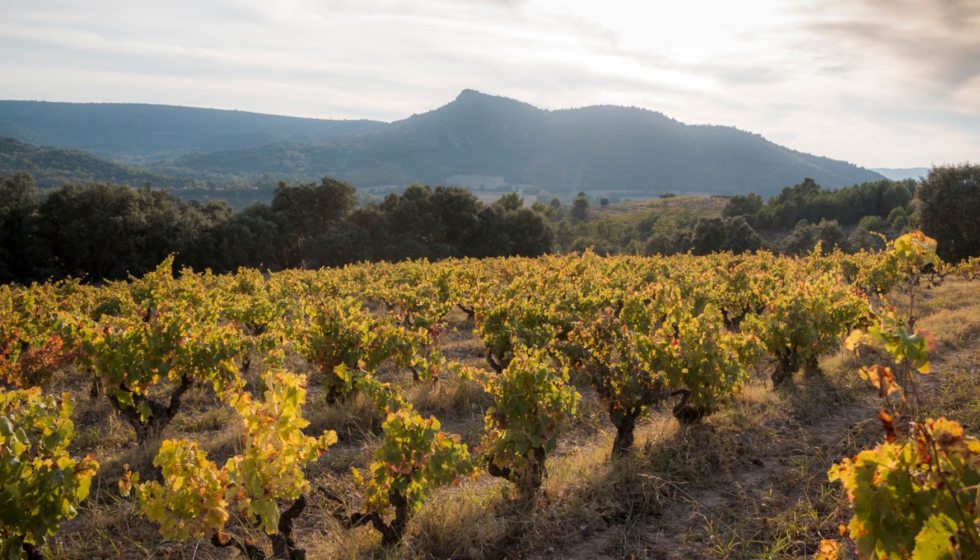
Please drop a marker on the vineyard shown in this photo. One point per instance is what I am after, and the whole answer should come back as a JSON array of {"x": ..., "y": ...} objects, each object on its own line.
[{"x": 573, "y": 406}]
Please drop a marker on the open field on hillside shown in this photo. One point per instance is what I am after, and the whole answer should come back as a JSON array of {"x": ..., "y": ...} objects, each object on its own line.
[{"x": 715, "y": 203}]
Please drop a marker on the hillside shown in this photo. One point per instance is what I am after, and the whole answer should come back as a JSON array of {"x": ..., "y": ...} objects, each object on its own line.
[
  {"x": 593, "y": 149},
  {"x": 53, "y": 167},
  {"x": 139, "y": 132},
  {"x": 631, "y": 151}
]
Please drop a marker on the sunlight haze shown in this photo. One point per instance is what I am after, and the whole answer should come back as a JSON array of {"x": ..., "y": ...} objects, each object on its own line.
[{"x": 880, "y": 84}]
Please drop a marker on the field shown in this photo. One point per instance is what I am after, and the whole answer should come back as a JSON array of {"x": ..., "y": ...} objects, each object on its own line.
[
  {"x": 748, "y": 480},
  {"x": 665, "y": 205}
]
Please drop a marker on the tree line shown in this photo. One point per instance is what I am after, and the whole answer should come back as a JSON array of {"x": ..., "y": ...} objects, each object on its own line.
[
  {"x": 946, "y": 206},
  {"x": 103, "y": 231},
  {"x": 885, "y": 199}
]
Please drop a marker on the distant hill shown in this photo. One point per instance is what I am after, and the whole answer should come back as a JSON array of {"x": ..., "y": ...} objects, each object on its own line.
[
  {"x": 600, "y": 148},
  {"x": 53, "y": 167},
  {"x": 593, "y": 148},
  {"x": 137, "y": 132},
  {"x": 901, "y": 174}
]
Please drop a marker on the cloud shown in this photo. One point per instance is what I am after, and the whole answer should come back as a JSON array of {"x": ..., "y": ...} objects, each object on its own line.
[
  {"x": 862, "y": 80},
  {"x": 934, "y": 43}
]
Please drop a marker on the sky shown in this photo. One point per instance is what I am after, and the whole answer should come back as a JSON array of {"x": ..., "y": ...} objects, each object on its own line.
[{"x": 880, "y": 83}]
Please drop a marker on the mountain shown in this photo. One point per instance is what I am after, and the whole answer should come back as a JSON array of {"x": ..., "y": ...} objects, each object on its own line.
[
  {"x": 599, "y": 148},
  {"x": 592, "y": 148},
  {"x": 900, "y": 174},
  {"x": 136, "y": 132},
  {"x": 53, "y": 167}
]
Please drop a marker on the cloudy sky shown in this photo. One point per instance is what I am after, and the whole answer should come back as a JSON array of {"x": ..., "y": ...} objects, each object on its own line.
[{"x": 881, "y": 83}]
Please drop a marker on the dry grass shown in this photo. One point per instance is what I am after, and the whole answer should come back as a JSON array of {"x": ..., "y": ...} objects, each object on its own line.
[{"x": 712, "y": 203}]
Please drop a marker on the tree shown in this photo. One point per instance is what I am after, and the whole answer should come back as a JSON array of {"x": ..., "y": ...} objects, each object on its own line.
[
  {"x": 21, "y": 253},
  {"x": 668, "y": 244},
  {"x": 724, "y": 234},
  {"x": 248, "y": 238},
  {"x": 805, "y": 237},
  {"x": 459, "y": 211},
  {"x": 863, "y": 239},
  {"x": 309, "y": 205},
  {"x": 785, "y": 216},
  {"x": 708, "y": 236},
  {"x": 831, "y": 236},
  {"x": 510, "y": 201},
  {"x": 106, "y": 231},
  {"x": 580, "y": 208},
  {"x": 304, "y": 211},
  {"x": 950, "y": 210},
  {"x": 742, "y": 205},
  {"x": 337, "y": 245},
  {"x": 529, "y": 232},
  {"x": 871, "y": 223},
  {"x": 898, "y": 219}
]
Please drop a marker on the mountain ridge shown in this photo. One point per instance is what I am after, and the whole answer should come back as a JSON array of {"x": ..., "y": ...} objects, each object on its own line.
[
  {"x": 590, "y": 148},
  {"x": 171, "y": 130},
  {"x": 594, "y": 148},
  {"x": 53, "y": 167}
]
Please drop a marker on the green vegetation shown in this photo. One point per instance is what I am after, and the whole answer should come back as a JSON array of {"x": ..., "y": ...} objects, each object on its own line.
[
  {"x": 580, "y": 345},
  {"x": 808, "y": 201},
  {"x": 950, "y": 198},
  {"x": 601, "y": 147},
  {"x": 104, "y": 231},
  {"x": 55, "y": 167},
  {"x": 41, "y": 484},
  {"x": 915, "y": 495},
  {"x": 570, "y": 340}
]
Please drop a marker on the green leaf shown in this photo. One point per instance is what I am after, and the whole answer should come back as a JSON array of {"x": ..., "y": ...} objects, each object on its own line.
[{"x": 936, "y": 540}]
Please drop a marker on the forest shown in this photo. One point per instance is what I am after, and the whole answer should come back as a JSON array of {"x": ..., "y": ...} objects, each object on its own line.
[{"x": 108, "y": 231}]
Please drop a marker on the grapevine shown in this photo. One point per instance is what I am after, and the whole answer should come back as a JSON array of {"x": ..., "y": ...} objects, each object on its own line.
[
  {"x": 531, "y": 402},
  {"x": 40, "y": 484},
  {"x": 916, "y": 494},
  {"x": 197, "y": 498},
  {"x": 414, "y": 458}
]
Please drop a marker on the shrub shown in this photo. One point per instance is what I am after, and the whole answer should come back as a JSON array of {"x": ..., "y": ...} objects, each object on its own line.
[{"x": 870, "y": 223}]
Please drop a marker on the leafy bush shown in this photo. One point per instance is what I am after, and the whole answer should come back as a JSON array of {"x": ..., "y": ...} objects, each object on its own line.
[
  {"x": 196, "y": 498},
  {"x": 871, "y": 223},
  {"x": 40, "y": 484},
  {"x": 531, "y": 402},
  {"x": 415, "y": 457}
]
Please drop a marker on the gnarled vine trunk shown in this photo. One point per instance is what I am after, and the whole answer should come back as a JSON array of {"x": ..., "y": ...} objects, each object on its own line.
[
  {"x": 160, "y": 415},
  {"x": 625, "y": 423},
  {"x": 391, "y": 533},
  {"x": 811, "y": 368},
  {"x": 528, "y": 481},
  {"x": 283, "y": 546},
  {"x": 787, "y": 363},
  {"x": 687, "y": 414}
]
